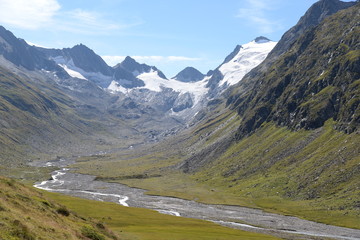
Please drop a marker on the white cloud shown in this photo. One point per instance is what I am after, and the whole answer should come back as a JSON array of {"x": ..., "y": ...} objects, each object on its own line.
[
  {"x": 113, "y": 60},
  {"x": 149, "y": 58},
  {"x": 48, "y": 15},
  {"x": 255, "y": 12},
  {"x": 28, "y": 14},
  {"x": 181, "y": 58},
  {"x": 89, "y": 22}
]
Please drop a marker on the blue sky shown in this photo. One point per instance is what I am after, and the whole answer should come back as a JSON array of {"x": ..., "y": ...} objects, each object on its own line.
[{"x": 170, "y": 34}]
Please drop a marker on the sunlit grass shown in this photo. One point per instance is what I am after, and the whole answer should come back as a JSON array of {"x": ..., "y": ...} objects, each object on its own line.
[{"x": 137, "y": 223}]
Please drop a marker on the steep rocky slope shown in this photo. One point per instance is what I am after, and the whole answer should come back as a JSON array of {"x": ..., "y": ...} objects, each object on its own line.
[
  {"x": 313, "y": 16},
  {"x": 315, "y": 80}
]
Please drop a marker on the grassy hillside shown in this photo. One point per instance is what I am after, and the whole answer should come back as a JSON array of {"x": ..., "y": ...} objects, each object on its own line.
[
  {"x": 27, "y": 214},
  {"x": 30, "y": 214}
]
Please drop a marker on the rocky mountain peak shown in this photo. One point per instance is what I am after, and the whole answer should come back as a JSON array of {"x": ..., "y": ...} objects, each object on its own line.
[
  {"x": 82, "y": 47},
  {"x": 313, "y": 16},
  {"x": 189, "y": 74},
  {"x": 86, "y": 59},
  {"x": 129, "y": 61},
  {"x": 232, "y": 54},
  {"x": 18, "y": 52},
  {"x": 323, "y": 8},
  {"x": 131, "y": 65},
  {"x": 261, "y": 39}
]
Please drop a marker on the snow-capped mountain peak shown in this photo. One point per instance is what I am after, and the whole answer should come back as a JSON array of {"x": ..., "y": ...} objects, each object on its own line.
[
  {"x": 243, "y": 59},
  {"x": 136, "y": 68}
]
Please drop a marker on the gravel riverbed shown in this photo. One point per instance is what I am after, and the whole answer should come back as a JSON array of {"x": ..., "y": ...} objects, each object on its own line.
[{"x": 247, "y": 219}]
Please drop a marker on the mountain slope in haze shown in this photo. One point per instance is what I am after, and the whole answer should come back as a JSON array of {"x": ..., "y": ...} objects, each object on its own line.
[
  {"x": 21, "y": 54},
  {"x": 81, "y": 62},
  {"x": 37, "y": 119},
  {"x": 184, "y": 96}
]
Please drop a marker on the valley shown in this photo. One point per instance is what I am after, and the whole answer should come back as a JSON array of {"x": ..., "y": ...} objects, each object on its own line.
[
  {"x": 264, "y": 146},
  {"x": 85, "y": 186}
]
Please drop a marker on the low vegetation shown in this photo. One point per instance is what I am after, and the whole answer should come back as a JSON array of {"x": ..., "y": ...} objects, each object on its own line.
[
  {"x": 310, "y": 174},
  {"x": 26, "y": 214},
  {"x": 29, "y": 214}
]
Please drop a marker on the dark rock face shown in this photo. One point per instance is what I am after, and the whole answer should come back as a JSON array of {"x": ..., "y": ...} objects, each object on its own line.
[
  {"x": 21, "y": 54},
  {"x": 126, "y": 72},
  {"x": 314, "y": 81},
  {"x": 82, "y": 56},
  {"x": 189, "y": 74},
  {"x": 126, "y": 78},
  {"x": 86, "y": 59},
  {"x": 316, "y": 14},
  {"x": 232, "y": 54},
  {"x": 213, "y": 83},
  {"x": 183, "y": 102},
  {"x": 132, "y": 66},
  {"x": 136, "y": 68}
]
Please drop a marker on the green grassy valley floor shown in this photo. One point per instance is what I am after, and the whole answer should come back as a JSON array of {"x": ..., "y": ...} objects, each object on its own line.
[
  {"x": 138, "y": 223},
  {"x": 26, "y": 213},
  {"x": 310, "y": 174}
]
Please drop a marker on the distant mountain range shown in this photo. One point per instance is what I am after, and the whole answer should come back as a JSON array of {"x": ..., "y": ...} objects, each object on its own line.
[
  {"x": 146, "y": 85},
  {"x": 274, "y": 126},
  {"x": 88, "y": 95}
]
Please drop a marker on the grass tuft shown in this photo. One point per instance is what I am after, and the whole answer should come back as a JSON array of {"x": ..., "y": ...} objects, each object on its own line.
[{"x": 89, "y": 232}]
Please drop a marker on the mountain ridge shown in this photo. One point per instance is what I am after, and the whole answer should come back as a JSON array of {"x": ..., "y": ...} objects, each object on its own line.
[{"x": 311, "y": 117}]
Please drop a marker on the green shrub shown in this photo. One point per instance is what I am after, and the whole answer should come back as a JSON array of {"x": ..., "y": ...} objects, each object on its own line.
[
  {"x": 90, "y": 232},
  {"x": 63, "y": 211}
]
